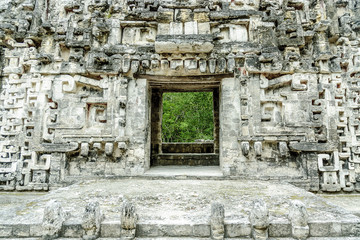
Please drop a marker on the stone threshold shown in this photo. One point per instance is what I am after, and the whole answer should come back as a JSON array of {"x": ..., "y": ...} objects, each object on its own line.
[{"x": 184, "y": 171}]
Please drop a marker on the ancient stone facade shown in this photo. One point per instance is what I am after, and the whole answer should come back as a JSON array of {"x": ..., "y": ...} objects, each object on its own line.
[{"x": 82, "y": 82}]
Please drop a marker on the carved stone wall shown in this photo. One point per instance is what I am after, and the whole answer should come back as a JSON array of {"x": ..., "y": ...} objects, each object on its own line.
[{"x": 77, "y": 79}]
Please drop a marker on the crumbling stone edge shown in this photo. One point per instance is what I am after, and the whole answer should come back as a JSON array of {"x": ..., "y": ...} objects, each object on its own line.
[{"x": 94, "y": 225}]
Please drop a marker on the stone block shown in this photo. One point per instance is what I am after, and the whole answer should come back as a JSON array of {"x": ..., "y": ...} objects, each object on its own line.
[
  {"x": 201, "y": 17},
  {"x": 258, "y": 148},
  {"x": 109, "y": 148},
  {"x": 238, "y": 33},
  {"x": 97, "y": 146},
  {"x": 135, "y": 64},
  {"x": 183, "y": 44},
  {"x": 21, "y": 230},
  {"x": 204, "y": 28},
  {"x": 245, "y": 148},
  {"x": 163, "y": 29},
  {"x": 237, "y": 229},
  {"x": 191, "y": 27},
  {"x": 183, "y": 15},
  {"x": 260, "y": 234},
  {"x": 221, "y": 65},
  {"x": 190, "y": 64},
  {"x": 5, "y": 231},
  {"x": 319, "y": 229},
  {"x": 177, "y": 230},
  {"x": 202, "y": 65},
  {"x": 176, "y": 64},
  {"x": 110, "y": 229},
  {"x": 280, "y": 229},
  {"x": 201, "y": 230},
  {"x": 149, "y": 230},
  {"x": 212, "y": 65},
  {"x": 84, "y": 150},
  {"x": 231, "y": 64},
  {"x": 176, "y": 28},
  {"x": 72, "y": 229},
  {"x": 300, "y": 232},
  {"x": 35, "y": 230},
  {"x": 165, "y": 15},
  {"x": 350, "y": 228}
]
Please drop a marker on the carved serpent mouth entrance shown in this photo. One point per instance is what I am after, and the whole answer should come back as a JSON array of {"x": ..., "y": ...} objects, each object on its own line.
[{"x": 203, "y": 153}]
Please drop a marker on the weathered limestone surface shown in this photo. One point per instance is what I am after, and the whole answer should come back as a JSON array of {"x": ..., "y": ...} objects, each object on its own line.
[
  {"x": 182, "y": 209},
  {"x": 91, "y": 220},
  {"x": 78, "y": 78},
  {"x": 129, "y": 220},
  {"x": 217, "y": 228},
  {"x": 259, "y": 220},
  {"x": 53, "y": 220}
]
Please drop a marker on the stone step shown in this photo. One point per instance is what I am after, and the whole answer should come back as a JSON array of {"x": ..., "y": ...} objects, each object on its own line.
[
  {"x": 191, "y": 238},
  {"x": 169, "y": 209},
  {"x": 111, "y": 229},
  {"x": 190, "y": 159}
]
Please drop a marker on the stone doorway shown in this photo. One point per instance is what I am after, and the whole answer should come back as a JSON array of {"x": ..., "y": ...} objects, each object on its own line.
[{"x": 182, "y": 153}]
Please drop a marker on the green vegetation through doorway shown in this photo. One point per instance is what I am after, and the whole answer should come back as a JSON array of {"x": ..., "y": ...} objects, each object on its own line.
[{"x": 187, "y": 116}]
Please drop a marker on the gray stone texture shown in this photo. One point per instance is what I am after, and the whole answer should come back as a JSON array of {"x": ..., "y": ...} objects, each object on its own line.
[
  {"x": 217, "y": 216},
  {"x": 78, "y": 80},
  {"x": 52, "y": 224},
  {"x": 91, "y": 221},
  {"x": 129, "y": 220}
]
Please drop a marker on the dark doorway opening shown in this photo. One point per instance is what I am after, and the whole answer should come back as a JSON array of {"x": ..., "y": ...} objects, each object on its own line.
[{"x": 192, "y": 142}]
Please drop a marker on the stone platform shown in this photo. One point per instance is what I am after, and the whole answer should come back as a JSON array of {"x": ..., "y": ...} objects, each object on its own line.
[{"x": 175, "y": 209}]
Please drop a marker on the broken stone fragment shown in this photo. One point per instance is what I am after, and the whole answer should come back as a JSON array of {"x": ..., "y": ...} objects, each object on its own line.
[
  {"x": 259, "y": 220},
  {"x": 129, "y": 220},
  {"x": 217, "y": 221},
  {"x": 91, "y": 220},
  {"x": 299, "y": 217},
  {"x": 53, "y": 220}
]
